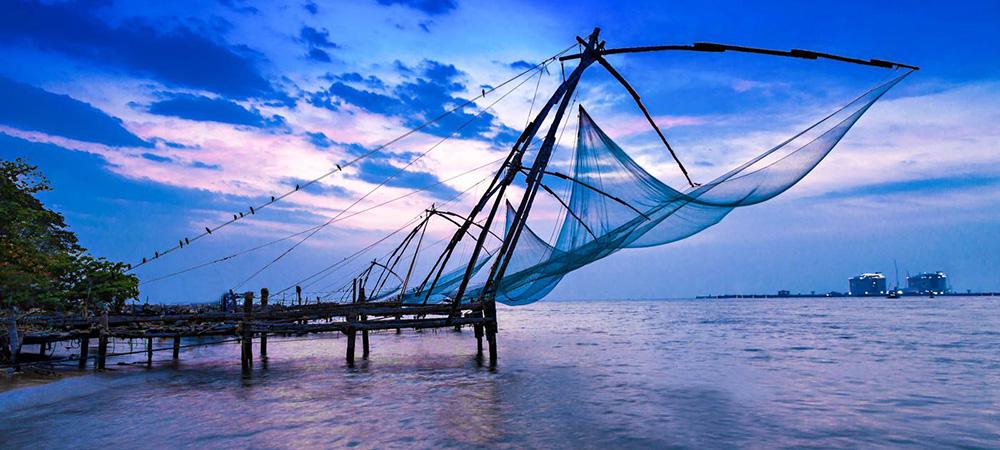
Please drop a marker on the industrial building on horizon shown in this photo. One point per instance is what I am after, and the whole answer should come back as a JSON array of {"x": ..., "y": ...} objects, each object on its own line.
[
  {"x": 927, "y": 283},
  {"x": 874, "y": 283},
  {"x": 867, "y": 284}
]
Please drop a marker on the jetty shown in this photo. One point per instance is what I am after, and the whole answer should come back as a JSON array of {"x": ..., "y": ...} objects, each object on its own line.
[{"x": 244, "y": 323}]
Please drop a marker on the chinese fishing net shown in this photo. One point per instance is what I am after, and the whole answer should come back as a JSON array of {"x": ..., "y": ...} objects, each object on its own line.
[{"x": 616, "y": 204}]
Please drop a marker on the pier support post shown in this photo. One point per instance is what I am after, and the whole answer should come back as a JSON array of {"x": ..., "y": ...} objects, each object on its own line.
[
  {"x": 351, "y": 334},
  {"x": 149, "y": 351},
  {"x": 102, "y": 351},
  {"x": 177, "y": 347},
  {"x": 364, "y": 318},
  {"x": 102, "y": 341},
  {"x": 490, "y": 311},
  {"x": 478, "y": 328},
  {"x": 84, "y": 351},
  {"x": 13, "y": 340},
  {"x": 264, "y": 294},
  {"x": 246, "y": 355}
]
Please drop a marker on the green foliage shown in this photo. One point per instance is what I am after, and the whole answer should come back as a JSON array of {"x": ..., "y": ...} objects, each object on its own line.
[{"x": 42, "y": 264}]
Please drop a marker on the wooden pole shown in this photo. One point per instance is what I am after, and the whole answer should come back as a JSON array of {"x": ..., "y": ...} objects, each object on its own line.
[
  {"x": 102, "y": 341},
  {"x": 149, "y": 351},
  {"x": 350, "y": 330},
  {"x": 247, "y": 352},
  {"x": 364, "y": 318},
  {"x": 15, "y": 343},
  {"x": 102, "y": 350},
  {"x": 490, "y": 311},
  {"x": 264, "y": 294},
  {"x": 478, "y": 328},
  {"x": 84, "y": 350},
  {"x": 177, "y": 347}
]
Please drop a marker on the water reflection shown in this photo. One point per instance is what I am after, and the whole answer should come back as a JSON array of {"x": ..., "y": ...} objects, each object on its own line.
[{"x": 842, "y": 373}]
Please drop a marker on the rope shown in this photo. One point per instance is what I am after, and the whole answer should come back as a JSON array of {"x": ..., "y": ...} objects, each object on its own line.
[
  {"x": 372, "y": 245},
  {"x": 383, "y": 183},
  {"x": 413, "y": 192},
  {"x": 339, "y": 167}
]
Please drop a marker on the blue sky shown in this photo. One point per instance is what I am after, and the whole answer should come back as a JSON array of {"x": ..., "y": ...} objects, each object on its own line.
[{"x": 156, "y": 119}]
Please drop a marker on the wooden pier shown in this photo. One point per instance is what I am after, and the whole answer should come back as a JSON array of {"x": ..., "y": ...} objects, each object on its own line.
[{"x": 252, "y": 320}]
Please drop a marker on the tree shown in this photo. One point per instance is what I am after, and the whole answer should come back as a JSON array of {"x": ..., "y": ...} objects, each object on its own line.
[{"x": 42, "y": 264}]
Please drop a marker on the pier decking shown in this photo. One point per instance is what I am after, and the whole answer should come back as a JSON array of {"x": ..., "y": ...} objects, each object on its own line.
[{"x": 250, "y": 321}]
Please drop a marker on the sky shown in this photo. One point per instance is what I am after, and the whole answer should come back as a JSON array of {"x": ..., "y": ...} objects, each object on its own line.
[{"x": 154, "y": 120}]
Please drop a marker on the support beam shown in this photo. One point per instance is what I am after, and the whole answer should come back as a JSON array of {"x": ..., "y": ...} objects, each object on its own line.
[
  {"x": 149, "y": 351},
  {"x": 719, "y": 48},
  {"x": 177, "y": 347}
]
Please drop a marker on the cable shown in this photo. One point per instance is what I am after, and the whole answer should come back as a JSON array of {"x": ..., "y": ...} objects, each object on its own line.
[
  {"x": 380, "y": 185},
  {"x": 209, "y": 231},
  {"x": 370, "y": 246},
  {"x": 234, "y": 255}
]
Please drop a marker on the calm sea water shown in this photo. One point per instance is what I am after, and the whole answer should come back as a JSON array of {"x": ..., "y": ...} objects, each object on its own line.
[{"x": 780, "y": 373}]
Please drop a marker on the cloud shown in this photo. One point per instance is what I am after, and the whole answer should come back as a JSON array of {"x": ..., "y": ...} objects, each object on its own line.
[
  {"x": 232, "y": 4},
  {"x": 319, "y": 55},
  {"x": 157, "y": 158},
  {"x": 34, "y": 109},
  {"x": 176, "y": 56},
  {"x": 431, "y": 7},
  {"x": 319, "y": 139},
  {"x": 521, "y": 65},
  {"x": 201, "y": 108},
  {"x": 925, "y": 186},
  {"x": 376, "y": 170},
  {"x": 435, "y": 90},
  {"x": 317, "y": 38},
  {"x": 311, "y": 7}
]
